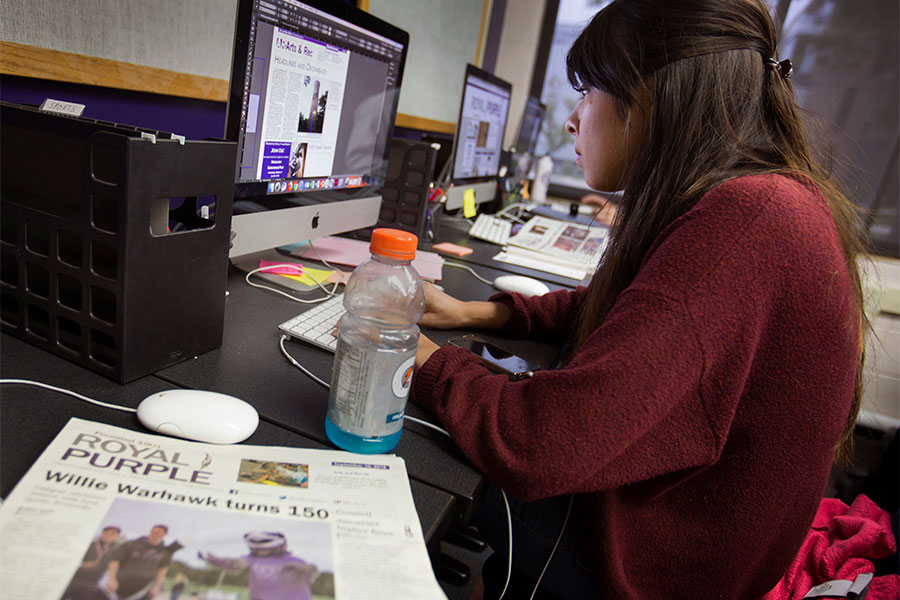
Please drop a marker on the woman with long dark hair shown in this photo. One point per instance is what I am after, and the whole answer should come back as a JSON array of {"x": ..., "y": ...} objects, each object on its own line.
[{"x": 718, "y": 349}]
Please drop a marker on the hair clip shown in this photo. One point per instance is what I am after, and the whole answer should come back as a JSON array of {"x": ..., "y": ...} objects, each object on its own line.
[{"x": 783, "y": 68}]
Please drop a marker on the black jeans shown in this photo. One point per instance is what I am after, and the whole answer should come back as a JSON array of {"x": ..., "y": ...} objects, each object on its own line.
[{"x": 536, "y": 526}]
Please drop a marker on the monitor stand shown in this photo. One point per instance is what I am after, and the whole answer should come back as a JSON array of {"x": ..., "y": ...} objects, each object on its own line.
[{"x": 484, "y": 192}]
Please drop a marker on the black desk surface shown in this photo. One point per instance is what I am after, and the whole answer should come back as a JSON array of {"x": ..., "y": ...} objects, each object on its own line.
[
  {"x": 250, "y": 365},
  {"x": 32, "y": 416}
]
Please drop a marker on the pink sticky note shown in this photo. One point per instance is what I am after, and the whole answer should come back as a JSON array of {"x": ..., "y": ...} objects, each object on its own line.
[
  {"x": 343, "y": 251},
  {"x": 454, "y": 249},
  {"x": 281, "y": 268}
]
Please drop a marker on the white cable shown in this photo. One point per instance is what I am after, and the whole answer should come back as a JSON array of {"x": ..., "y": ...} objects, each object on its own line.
[
  {"x": 70, "y": 393},
  {"x": 328, "y": 386},
  {"x": 319, "y": 256},
  {"x": 552, "y": 552},
  {"x": 443, "y": 431},
  {"x": 509, "y": 525},
  {"x": 299, "y": 366},
  {"x": 470, "y": 270},
  {"x": 426, "y": 424},
  {"x": 328, "y": 292},
  {"x": 503, "y": 210}
]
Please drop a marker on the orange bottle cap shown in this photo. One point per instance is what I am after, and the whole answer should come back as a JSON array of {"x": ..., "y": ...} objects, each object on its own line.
[{"x": 394, "y": 243}]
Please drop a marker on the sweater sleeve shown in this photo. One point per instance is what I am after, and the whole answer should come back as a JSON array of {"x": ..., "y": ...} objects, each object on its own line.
[
  {"x": 541, "y": 317},
  {"x": 575, "y": 429}
]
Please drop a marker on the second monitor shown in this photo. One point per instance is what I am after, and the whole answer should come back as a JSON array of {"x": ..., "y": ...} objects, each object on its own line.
[{"x": 478, "y": 143}]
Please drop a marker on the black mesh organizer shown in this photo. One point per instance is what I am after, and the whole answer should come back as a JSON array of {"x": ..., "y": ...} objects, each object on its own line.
[
  {"x": 404, "y": 201},
  {"x": 114, "y": 241}
]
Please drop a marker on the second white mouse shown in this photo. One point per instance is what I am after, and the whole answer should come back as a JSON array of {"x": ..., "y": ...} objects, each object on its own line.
[
  {"x": 521, "y": 284},
  {"x": 197, "y": 415}
]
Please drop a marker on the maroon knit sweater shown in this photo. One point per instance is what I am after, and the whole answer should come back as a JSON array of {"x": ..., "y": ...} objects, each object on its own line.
[{"x": 697, "y": 424}]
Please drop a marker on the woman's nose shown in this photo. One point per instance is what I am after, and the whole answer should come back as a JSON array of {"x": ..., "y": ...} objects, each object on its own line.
[{"x": 570, "y": 125}]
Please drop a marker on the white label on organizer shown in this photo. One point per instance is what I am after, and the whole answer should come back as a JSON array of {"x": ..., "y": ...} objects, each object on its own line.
[{"x": 61, "y": 107}]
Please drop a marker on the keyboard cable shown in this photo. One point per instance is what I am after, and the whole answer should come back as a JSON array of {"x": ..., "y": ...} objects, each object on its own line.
[
  {"x": 470, "y": 270},
  {"x": 329, "y": 293}
]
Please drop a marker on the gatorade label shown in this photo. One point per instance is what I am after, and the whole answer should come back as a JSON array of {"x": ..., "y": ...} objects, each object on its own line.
[{"x": 403, "y": 377}]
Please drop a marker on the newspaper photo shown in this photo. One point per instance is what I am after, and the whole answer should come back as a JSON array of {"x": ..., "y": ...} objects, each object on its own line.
[
  {"x": 111, "y": 513},
  {"x": 562, "y": 247}
]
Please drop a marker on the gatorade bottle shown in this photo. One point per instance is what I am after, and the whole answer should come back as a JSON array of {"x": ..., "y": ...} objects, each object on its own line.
[{"x": 376, "y": 348}]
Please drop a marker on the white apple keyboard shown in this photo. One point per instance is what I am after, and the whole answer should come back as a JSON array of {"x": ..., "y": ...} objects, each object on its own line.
[
  {"x": 491, "y": 229},
  {"x": 315, "y": 326}
]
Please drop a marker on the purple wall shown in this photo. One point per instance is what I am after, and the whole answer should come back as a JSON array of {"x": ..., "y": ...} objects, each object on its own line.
[{"x": 194, "y": 119}]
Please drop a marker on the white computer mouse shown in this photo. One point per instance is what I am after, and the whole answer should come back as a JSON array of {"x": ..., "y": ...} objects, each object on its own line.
[
  {"x": 521, "y": 284},
  {"x": 197, "y": 415}
]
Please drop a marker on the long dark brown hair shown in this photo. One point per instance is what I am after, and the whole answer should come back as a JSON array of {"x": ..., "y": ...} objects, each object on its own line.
[{"x": 718, "y": 108}]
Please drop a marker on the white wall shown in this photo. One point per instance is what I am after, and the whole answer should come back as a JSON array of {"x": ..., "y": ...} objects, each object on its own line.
[
  {"x": 187, "y": 36},
  {"x": 195, "y": 37},
  {"x": 443, "y": 37},
  {"x": 882, "y": 375},
  {"x": 515, "y": 59}
]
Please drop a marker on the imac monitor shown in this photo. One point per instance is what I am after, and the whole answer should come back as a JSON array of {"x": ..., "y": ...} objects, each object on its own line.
[
  {"x": 526, "y": 141},
  {"x": 312, "y": 103},
  {"x": 478, "y": 143}
]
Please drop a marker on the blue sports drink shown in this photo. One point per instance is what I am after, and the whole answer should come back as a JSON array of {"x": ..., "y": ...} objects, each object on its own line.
[{"x": 376, "y": 348}]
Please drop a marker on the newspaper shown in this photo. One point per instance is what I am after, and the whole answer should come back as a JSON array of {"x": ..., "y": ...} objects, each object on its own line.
[
  {"x": 561, "y": 247},
  {"x": 106, "y": 509}
]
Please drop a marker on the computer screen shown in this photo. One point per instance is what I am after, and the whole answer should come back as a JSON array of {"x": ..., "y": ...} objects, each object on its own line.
[
  {"x": 482, "y": 123},
  {"x": 526, "y": 141},
  {"x": 312, "y": 103}
]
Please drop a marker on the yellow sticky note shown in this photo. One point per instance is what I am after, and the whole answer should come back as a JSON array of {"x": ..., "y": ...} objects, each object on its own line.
[
  {"x": 320, "y": 275},
  {"x": 469, "y": 204}
]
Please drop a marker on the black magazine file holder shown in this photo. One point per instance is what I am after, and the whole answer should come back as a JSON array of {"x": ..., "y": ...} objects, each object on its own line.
[
  {"x": 404, "y": 201},
  {"x": 108, "y": 257}
]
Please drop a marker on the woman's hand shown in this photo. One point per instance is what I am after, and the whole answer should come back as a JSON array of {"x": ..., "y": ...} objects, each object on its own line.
[
  {"x": 425, "y": 349},
  {"x": 443, "y": 311}
]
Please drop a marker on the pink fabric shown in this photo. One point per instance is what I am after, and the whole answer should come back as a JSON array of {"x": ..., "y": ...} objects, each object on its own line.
[{"x": 841, "y": 544}]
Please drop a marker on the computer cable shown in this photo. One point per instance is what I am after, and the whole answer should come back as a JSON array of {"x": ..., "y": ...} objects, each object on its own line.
[
  {"x": 69, "y": 393},
  {"x": 319, "y": 256},
  {"x": 328, "y": 293},
  {"x": 287, "y": 354},
  {"x": 470, "y": 270},
  {"x": 327, "y": 386},
  {"x": 515, "y": 205},
  {"x": 553, "y": 551},
  {"x": 502, "y": 493}
]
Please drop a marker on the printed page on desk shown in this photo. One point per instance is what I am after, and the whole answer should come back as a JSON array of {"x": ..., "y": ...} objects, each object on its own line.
[
  {"x": 562, "y": 247},
  {"x": 121, "y": 512}
]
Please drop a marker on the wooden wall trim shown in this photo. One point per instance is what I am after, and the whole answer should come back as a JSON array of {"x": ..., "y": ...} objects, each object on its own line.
[
  {"x": 56, "y": 65},
  {"x": 413, "y": 122},
  {"x": 42, "y": 63}
]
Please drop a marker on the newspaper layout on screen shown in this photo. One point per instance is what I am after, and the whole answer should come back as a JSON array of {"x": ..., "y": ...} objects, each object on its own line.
[
  {"x": 112, "y": 511},
  {"x": 561, "y": 247},
  {"x": 300, "y": 121},
  {"x": 480, "y": 139}
]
